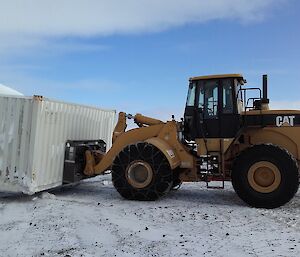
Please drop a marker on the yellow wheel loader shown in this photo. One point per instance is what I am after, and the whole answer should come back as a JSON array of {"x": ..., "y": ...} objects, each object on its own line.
[{"x": 224, "y": 136}]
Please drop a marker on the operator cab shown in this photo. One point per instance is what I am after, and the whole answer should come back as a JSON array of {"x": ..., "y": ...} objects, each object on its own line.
[{"x": 214, "y": 107}]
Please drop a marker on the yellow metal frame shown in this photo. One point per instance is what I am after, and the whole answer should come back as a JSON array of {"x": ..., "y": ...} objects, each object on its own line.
[
  {"x": 161, "y": 135},
  {"x": 164, "y": 136},
  {"x": 220, "y": 76}
]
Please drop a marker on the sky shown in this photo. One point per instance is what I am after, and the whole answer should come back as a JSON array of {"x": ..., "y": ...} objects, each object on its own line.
[{"x": 137, "y": 55}]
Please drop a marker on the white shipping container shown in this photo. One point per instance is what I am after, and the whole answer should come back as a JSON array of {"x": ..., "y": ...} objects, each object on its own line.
[{"x": 33, "y": 134}]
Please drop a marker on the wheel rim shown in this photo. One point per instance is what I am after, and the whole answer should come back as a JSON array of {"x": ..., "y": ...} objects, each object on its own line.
[
  {"x": 139, "y": 174},
  {"x": 264, "y": 177}
]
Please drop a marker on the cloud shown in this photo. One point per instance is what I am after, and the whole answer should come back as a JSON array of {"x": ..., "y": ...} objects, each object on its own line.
[
  {"x": 84, "y": 89},
  {"x": 102, "y": 17},
  {"x": 12, "y": 45},
  {"x": 35, "y": 25},
  {"x": 285, "y": 105}
]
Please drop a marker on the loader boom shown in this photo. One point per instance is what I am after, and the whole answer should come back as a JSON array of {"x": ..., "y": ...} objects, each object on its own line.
[{"x": 149, "y": 130}]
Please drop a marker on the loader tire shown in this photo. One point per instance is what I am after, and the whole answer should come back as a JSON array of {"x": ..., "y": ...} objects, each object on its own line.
[
  {"x": 265, "y": 176},
  {"x": 142, "y": 172},
  {"x": 176, "y": 180}
]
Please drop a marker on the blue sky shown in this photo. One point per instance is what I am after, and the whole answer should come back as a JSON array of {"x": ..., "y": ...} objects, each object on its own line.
[{"x": 138, "y": 57}]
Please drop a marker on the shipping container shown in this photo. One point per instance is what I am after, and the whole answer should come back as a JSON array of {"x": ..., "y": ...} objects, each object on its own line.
[{"x": 33, "y": 134}]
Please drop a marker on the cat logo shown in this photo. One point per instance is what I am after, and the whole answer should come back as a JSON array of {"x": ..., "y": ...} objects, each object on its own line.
[{"x": 285, "y": 121}]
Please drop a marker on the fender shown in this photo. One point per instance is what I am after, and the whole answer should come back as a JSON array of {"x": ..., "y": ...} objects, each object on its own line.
[
  {"x": 285, "y": 137},
  {"x": 167, "y": 150},
  {"x": 127, "y": 138}
]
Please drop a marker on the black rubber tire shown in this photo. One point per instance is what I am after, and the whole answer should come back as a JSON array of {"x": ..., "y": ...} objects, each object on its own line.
[
  {"x": 162, "y": 179},
  {"x": 176, "y": 181},
  {"x": 287, "y": 166}
]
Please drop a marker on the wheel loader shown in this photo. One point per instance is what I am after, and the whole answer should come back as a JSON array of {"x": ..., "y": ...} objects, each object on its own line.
[{"x": 225, "y": 135}]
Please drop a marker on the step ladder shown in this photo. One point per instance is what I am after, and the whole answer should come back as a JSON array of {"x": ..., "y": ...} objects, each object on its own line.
[{"x": 220, "y": 176}]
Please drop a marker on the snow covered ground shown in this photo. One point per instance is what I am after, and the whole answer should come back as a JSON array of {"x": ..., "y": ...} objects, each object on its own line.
[{"x": 91, "y": 219}]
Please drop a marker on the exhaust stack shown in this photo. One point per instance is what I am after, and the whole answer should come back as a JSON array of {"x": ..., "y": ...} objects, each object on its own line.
[
  {"x": 265, "y": 100},
  {"x": 265, "y": 89}
]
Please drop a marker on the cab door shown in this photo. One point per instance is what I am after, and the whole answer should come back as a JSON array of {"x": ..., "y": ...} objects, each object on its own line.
[
  {"x": 217, "y": 115},
  {"x": 229, "y": 114},
  {"x": 201, "y": 117},
  {"x": 208, "y": 109}
]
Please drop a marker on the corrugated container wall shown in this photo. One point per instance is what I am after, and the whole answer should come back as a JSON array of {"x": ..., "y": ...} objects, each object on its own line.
[{"x": 33, "y": 133}]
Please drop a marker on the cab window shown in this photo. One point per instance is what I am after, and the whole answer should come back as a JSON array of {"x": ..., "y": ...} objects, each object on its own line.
[
  {"x": 239, "y": 96},
  {"x": 191, "y": 95},
  {"x": 227, "y": 96},
  {"x": 208, "y": 99}
]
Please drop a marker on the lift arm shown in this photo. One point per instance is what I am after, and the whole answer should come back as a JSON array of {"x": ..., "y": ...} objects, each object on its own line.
[{"x": 149, "y": 127}]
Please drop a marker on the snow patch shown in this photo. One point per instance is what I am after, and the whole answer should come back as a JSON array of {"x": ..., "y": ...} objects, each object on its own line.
[
  {"x": 91, "y": 219},
  {"x": 46, "y": 195}
]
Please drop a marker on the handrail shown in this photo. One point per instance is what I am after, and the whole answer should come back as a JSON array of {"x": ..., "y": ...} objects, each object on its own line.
[{"x": 245, "y": 100}]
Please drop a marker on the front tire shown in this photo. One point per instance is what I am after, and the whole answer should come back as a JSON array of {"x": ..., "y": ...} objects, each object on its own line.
[
  {"x": 265, "y": 176},
  {"x": 142, "y": 172},
  {"x": 176, "y": 180}
]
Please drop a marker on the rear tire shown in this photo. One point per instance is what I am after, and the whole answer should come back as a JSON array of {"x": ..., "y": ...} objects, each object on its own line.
[
  {"x": 142, "y": 172},
  {"x": 265, "y": 176}
]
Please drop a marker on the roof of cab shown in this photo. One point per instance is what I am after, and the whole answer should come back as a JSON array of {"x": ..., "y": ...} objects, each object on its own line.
[{"x": 219, "y": 76}]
